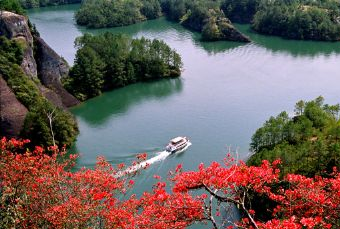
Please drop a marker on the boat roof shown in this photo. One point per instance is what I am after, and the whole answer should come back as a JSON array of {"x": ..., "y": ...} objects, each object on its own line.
[{"x": 177, "y": 139}]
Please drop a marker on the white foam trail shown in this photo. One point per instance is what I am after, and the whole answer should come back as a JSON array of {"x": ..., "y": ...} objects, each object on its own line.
[{"x": 160, "y": 157}]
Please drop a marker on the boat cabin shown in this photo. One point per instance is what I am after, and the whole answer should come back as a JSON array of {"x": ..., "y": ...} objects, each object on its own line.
[{"x": 177, "y": 140}]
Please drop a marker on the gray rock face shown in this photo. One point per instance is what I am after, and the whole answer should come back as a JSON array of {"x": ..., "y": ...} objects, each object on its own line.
[
  {"x": 12, "y": 112},
  {"x": 51, "y": 68},
  {"x": 15, "y": 27}
]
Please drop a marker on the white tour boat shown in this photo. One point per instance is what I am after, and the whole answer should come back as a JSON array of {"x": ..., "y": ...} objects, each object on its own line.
[{"x": 178, "y": 144}]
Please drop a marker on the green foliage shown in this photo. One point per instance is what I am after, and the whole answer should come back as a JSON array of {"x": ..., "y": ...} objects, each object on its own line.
[
  {"x": 193, "y": 14},
  {"x": 36, "y": 125},
  {"x": 308, "y": 143},
  {"x": 11, "y": 5},
  {"x": 205, "y": 16},
  {"x": 112, "y": 13},
  {"x": 87, "y": 72},
  {"x": 241, "y": 11},
  {"x": 38, "y": 3},
  {"x": 293, "y": 19},
  {"x": 151, "y": 9},
  {"x": 109, "y": 61},
  {"x": 299, "y": 19}
]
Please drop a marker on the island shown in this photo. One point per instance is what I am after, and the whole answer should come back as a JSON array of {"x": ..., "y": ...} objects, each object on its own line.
[{"x": 108, "y": 61}]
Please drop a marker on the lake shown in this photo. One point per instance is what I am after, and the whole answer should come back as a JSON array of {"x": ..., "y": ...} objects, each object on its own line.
[{"x": 227, "y": 91}]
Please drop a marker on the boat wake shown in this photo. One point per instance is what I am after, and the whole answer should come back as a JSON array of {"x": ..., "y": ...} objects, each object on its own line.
[{"x": 159, "y": 157}]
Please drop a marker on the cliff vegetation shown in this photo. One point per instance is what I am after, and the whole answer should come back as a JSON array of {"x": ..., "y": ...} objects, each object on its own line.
[{"x": 34, "y": 102}]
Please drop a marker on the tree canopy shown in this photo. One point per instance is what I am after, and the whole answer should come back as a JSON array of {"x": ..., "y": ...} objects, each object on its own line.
[
  {"x": 11, "y": 5},
  {"x": 112, "y": 13},
  {"x": 307, "y": 143},
  {"x": 293, "y": 19},
  {"x": 109, "y": 61},
  {"x": 204, "y": 16}
]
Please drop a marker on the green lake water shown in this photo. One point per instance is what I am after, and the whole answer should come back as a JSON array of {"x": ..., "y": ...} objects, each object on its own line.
[{"x": 227, "y": 90}]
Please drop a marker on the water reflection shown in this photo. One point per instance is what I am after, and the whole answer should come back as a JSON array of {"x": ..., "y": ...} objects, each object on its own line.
[
  {"x": 117, "y": 102},
  {"x": 296, "y": 48}
]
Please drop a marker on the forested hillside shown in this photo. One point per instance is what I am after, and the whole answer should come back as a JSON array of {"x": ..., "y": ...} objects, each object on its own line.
[
  {"x": 307, "y": 143},
  {"x": 293, "y": 19}
]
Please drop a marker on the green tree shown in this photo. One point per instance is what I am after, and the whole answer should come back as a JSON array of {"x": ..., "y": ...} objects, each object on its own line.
[
  {"x": 307, "y": 143},
  {"x": 109, "y": 61},
  {"x": 87, "y": 74},
  {"x": 11, "y": 5}
]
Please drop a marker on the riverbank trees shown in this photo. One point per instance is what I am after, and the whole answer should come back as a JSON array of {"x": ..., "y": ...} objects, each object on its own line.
[
  {"x": 109, "y": 61},
  {"x": 296, "y": 19},
  {"x": 203, "y": 16},
  {"x": 103, "y": 13},
  {"x": 307, "y": 143},
  {"x": 305, "y": 20},
  {"x": 38, "y": 189},
  {"x": 41, "y": 3}
]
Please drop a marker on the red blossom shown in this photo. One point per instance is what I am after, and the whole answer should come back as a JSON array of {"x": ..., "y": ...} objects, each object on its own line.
[{"x": 39, "y": 189}]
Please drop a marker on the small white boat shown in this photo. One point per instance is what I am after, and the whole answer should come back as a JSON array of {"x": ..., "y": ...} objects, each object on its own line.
[{"x": 178, "y": 145}]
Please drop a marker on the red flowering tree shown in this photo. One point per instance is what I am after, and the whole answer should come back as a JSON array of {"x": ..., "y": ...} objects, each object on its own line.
[
  {"x": 38, "y": 190},
  {"x": 301, "y": 202}
]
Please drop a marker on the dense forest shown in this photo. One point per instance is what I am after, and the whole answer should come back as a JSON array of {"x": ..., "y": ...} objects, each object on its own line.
[
  {"x": 37, "y": 124},
  {"x": 103, "y": 13},
  {"x": 204, "y": 16},
  {"x": 109, "y": 61},
  {"x": 307, "y": 143},
  {"x": 293, "y": 19}
]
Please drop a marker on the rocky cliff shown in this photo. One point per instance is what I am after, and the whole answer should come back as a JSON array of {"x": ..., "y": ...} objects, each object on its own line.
[
  {"x": 15, "y": 27},
  {"x": 13, "y": 113},
  {"x": 40, "y": 64},
  {"x": 51, "y": 69}
]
